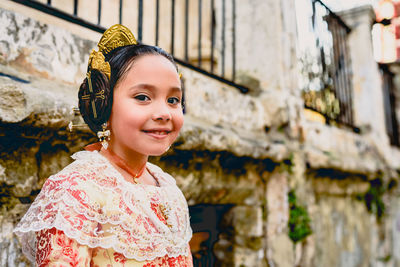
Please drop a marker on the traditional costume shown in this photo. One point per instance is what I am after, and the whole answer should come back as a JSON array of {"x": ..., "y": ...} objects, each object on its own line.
[{"x": 89, "y": 215}]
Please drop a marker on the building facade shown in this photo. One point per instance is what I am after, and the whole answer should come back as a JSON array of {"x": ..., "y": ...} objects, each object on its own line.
[{"x": 285, "y": 157}]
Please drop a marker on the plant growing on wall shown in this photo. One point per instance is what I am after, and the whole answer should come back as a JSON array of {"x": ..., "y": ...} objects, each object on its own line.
[
  {"x": 373, "y": 198},
  {"x": 299, "y": 220}
]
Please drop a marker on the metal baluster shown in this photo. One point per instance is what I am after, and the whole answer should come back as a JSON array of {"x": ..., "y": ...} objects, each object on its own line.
[
  {"x": 99, "y": 13},
  {"x": 172, "y": 26},
  {"x": 314, "y": 14},
  {"x": 75, "y": 7},
  {"x": 199, "y": 35},
  {"x": 332, "y": 72},
  {"x": 344, "y": 86},
  {"x": 223, "y": 40},
  {"x": 120, "y": 11},
  {"x": 233, "y": 40},
  {"x": 186, "y": 29},
  {"x": 140, "y": 21},
  {"x": 157, "y": 20},
  {"x": 392, "y": 96},
  {"x": 386, "y": 103},
  {"x": 344, "y": 89},
  {"x": 348, "y": 73},
  {"x": 212, "y": 35},
  {"x": 49, "y": 2},
  {"x": 337, "y": 70}
]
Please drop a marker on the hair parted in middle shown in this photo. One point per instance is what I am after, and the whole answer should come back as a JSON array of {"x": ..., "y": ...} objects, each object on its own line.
[{"x": 97, "y": 88}]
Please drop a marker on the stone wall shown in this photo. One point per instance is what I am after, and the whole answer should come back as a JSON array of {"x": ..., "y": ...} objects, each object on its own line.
[{"x": 283, "y": 175}]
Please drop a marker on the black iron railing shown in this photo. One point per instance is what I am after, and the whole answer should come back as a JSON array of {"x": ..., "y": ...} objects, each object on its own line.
[
  {"x": 389, "y": 103},
  {"x": 209, "y": 59},
  {"x": 325, "y": 65}
]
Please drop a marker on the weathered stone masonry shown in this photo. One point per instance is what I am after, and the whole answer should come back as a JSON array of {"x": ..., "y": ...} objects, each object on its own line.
[{"x": 255, "y": 152}]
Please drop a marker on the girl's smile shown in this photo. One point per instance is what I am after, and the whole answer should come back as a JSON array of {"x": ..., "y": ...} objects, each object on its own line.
[{"x": 158, "y": 133}]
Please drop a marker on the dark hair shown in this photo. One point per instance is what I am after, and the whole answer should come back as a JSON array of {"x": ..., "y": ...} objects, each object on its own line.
[{"x": 120, "y": 59}]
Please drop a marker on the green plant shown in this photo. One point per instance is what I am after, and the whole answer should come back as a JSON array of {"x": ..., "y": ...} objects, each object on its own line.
[
  {"x": 287, "y": 164},
  {"x": 373, "y": 198},
  {"x": 299, "y": 220}
]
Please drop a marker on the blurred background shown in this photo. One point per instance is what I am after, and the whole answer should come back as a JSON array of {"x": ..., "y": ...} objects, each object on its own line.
[{"x": 289, "y": 155}]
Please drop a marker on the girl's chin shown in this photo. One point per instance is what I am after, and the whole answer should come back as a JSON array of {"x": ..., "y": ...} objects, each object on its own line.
[{"x": 157, "y": 152}]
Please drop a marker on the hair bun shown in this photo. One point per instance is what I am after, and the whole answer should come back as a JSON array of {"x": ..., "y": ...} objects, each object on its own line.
[{"x": 94, "y": 99}]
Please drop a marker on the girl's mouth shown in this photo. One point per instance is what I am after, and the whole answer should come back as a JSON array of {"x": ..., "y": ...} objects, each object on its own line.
[{"x": 158, "y": 134}]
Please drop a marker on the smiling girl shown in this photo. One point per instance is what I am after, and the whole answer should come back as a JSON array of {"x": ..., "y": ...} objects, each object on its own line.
[{"x": 111, "y": 207}]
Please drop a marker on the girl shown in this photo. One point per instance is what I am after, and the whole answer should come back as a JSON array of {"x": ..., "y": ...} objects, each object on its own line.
[{"x": 111, "y": 207}]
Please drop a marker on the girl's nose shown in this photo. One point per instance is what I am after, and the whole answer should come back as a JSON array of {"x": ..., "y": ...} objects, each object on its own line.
[{"x": 162, "y": 114}]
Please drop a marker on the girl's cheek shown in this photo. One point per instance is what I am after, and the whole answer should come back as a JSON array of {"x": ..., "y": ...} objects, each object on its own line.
[
  {"x": 180, "y": 124},
  {"x": 179, "y": 116}
]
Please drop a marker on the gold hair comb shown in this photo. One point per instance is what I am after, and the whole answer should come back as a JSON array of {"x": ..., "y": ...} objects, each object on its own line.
[{"x": 116, "y": 36}]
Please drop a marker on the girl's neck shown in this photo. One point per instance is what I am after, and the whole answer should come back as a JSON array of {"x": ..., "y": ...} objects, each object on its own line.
[{"x": 134, "y": 160}]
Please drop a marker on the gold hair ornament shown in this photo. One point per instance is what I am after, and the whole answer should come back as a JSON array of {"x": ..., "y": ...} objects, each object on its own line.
[
  {"x": 97, "y": 61},
  {"x": 115, "y": 36}
]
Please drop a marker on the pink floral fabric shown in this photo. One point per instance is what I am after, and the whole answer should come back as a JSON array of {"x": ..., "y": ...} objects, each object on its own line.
[
  {"x": 88, "y": 213},
  {"x": 54, "y": 248}
]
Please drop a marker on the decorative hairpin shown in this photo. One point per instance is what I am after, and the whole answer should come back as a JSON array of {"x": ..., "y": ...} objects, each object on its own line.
[
  {"x": 71, "y": 126},
  {"x": 91, "y": 93}
]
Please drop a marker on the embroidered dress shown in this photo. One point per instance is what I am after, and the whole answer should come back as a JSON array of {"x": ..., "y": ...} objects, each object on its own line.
[{"x": 89, "y": 215}]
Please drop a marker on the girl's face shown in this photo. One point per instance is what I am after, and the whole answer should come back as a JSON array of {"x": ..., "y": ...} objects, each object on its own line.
[{"x": 146, "y": 114}]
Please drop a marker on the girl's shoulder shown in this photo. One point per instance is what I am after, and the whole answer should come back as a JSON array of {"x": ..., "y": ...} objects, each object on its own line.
[
  {"x": 83, "y": 162},
  {"x": 88, "y": 166}
]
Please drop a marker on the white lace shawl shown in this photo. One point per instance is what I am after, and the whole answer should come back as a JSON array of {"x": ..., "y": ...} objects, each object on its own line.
[{"x": 92, "y": 203}]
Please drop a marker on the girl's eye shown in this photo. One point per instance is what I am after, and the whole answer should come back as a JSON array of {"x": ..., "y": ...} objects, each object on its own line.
[
  {"x": 174, "y": 100},
  {"x": 142, "y": 97}
]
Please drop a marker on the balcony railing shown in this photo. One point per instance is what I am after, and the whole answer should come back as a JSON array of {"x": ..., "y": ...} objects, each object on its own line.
[
  {"x": 389, "y": 104},
  {"x": 325, "y": 62},
  {"x": 195, "y": 32}
]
